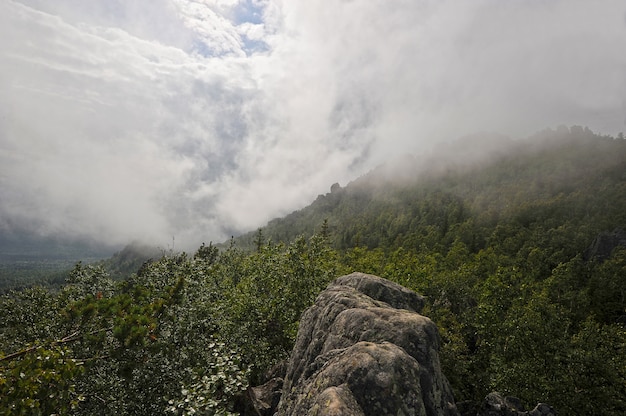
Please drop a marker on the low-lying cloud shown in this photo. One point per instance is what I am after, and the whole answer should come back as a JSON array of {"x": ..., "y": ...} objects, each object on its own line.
[{"x": 199, "y": 119}]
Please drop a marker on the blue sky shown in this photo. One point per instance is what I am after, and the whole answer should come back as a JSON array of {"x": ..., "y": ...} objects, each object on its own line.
[{"x": 148, "y": 119}]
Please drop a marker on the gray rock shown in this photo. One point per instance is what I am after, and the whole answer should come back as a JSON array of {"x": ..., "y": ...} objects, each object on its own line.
[
  {"x": 264, "y": 399},
  {"x": 604, "y": 244},
  {"x": 363, "y": 349},
  {"x": 497, "y": 405}
]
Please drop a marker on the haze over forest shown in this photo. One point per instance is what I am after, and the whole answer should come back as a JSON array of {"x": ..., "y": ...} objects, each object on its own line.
[{"x": 201, "y": 119}]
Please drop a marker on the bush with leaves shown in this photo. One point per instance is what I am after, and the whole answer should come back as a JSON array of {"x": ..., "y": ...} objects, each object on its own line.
[
  {"x": 215, "y": 388},
  {"x": 271, "y": 288},
  {"x": 39, "y": 381}
]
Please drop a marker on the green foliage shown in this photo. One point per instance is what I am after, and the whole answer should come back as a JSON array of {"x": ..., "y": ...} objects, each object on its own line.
[
  {"x": 39, "y": 382},
  {"x": 607, "y": 288},
  {"x": 594, "y": 380},
  {"x": 213, "y": 391},
  {"x": 185, "y": 333},
  {"x": 271, "y": 288},
  {"x": 88, "y": 280}
]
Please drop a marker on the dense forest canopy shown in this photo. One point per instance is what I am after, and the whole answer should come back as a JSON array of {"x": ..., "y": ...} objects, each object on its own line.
[
  {"x": 389, "y": 206},
  {"x": 520, "y": 256}
]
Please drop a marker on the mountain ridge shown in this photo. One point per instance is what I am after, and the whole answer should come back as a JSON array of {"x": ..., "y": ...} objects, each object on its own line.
[{"x": 548, "y": 164}]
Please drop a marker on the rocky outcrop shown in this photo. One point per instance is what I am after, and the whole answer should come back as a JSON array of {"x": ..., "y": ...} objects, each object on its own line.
[
  {"x": 604, "y": 244},
  {"x": 497, "y": 405},
  {"x": 364, "y": 349}
]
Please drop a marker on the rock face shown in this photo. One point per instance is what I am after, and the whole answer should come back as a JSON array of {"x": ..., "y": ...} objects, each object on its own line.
[
  {"x": 497, "y": 405},
  {"x": 364, "y": 349},
  {"x": 604, "y": 244}
]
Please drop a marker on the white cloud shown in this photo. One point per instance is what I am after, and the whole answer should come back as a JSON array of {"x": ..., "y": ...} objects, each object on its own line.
[
  {"x": 148, "y": 119},
  {"x": 216, "y": 33}
]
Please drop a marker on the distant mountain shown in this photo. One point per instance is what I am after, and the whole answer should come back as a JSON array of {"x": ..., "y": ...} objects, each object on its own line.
[
  {"x": 130, "y": 259},
  {"x": 475, "y": 181}
]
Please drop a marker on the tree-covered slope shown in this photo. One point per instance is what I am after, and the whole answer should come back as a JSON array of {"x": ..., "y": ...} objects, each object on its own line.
[{"x": 475, "y": 183}]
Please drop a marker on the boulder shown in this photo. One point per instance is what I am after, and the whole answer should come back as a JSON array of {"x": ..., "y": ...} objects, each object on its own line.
[
  {"x": 363, "y": 349},
  {"x": 497, "y": 405}
]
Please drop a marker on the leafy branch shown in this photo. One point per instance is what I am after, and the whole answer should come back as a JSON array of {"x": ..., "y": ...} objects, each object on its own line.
[{"x": 67, "y": 339}]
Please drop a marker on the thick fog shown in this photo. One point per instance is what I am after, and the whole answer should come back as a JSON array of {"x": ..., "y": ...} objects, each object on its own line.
[{"x": 148, "y": 119}]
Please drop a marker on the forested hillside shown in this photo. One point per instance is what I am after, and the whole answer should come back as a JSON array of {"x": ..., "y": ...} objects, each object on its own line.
[
  {"x": 462, "y": 192},
  {"x": 519, "y": 255}
]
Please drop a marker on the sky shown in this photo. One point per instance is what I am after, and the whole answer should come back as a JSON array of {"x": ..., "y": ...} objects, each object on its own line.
[{"x": 150, "y": 120}]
